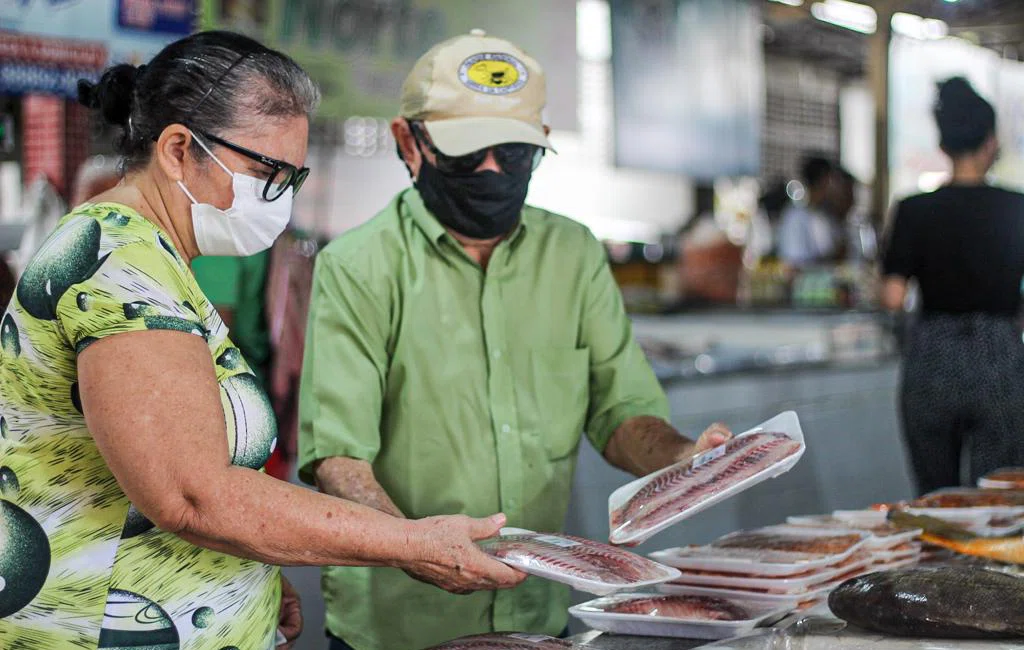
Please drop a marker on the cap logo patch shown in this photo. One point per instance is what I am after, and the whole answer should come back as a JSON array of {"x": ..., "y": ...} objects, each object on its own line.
[{"x": 493, "y": 73}]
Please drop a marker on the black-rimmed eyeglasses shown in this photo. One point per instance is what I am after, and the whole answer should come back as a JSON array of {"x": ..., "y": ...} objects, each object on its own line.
[{"x": 282, "y": 175}]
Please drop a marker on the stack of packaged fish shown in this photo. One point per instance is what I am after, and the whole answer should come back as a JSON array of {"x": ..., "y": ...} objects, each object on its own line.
[
  {"x": 988, "y": 512},
  {"x": 785, "y": 566},
  {"x": 890, "y": 546},
  {"x": 1008, "y": 478}
]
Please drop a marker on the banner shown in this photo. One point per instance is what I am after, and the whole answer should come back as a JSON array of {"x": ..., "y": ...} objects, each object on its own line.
[
  {"x": 688, "y": 86},
  {"x": 360, "y": 51},
  {"x": 176, "y": 17},
  {"x": 100, "y": 21}
]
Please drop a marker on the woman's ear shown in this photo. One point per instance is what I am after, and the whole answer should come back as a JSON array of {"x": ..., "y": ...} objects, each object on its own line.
[{"x": 171, "y": 150}]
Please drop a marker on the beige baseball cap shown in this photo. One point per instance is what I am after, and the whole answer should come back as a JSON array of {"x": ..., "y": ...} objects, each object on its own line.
[{"x": 475, "y": 91}]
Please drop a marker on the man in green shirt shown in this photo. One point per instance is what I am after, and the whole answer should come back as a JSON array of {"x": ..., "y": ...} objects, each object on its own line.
[{"x": 459, "y": 345}]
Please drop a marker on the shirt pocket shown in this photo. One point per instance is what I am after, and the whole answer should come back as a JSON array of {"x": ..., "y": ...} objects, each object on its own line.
[{"x": 561, "y": 388}]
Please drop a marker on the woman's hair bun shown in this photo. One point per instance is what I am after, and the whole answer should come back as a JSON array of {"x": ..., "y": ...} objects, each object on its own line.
[
  {"x": 964, "y": 117},
  {"x": 113, "y": 95}
]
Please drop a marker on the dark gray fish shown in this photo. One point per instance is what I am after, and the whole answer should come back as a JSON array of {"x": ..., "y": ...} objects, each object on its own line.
[{"x": 951, "y": 602}]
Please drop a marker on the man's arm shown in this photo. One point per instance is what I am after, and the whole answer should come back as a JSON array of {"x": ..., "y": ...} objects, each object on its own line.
[
  {"x": 644, "y": 444},
  {"x": 353, "y": 479},
  {"x": 343, "y": 377},
  {"x": 628, "y": 417}
]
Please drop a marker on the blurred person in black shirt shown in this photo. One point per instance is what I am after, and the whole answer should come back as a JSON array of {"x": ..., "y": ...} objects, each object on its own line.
[{"x": 963, "y": 375}]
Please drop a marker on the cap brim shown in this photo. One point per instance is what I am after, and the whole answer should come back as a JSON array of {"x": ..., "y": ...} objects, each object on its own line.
[{"x": 462, "y": 135}]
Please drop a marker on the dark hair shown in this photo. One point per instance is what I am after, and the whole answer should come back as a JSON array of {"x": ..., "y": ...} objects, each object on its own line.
[
  {"x": 209, "y": 81},
  {"x": 964, "y": 118},
  {"x": 815, "y": 169}
]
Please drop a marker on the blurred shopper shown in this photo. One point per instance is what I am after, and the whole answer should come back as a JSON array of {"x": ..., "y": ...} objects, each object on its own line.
[
  {"x": 95, "y": 176},
  {"x": 459, "y": 344},
  {"x": 964, "y": 245},
  {"x": 132, "y": 430},
  {"x": 808, "y": 232}
]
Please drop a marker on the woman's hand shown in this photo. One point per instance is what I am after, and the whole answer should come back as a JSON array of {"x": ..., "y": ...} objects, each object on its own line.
[
  {"x": 289, "y": 620},
  {"x": 447, "y": 557}
]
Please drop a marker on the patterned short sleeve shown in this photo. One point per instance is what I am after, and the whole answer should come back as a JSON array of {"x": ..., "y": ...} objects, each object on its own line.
[{"x": 132, "y": 285}]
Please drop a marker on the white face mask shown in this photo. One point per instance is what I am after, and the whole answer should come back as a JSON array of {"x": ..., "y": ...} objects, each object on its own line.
[{"x": 249, "y": 226}]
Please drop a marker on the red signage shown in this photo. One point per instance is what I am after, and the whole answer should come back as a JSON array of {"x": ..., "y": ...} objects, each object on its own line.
[{"x": 19, "y": 48}]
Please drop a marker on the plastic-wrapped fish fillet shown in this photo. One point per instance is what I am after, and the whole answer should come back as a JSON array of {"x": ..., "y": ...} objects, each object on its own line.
[
  {"x": 585, "y": 565},
  {"x": 693, "y": 608},
  {"x": 642, "y": 508},
  {"x": 505, "y": 642}
]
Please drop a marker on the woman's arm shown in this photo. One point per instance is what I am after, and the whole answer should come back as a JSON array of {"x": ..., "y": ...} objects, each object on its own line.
[
  {"x": 152, "y": 404},
  {"x": 894, "y": 292}
]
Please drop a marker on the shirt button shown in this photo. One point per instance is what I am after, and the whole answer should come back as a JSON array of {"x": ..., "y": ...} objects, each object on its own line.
[
  {"x": 497, "y": 354},
  {"x": 506, "y": 429}
]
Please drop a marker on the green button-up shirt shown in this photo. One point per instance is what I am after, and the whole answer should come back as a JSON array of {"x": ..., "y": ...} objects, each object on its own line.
[{"x": 468, "y": 390}]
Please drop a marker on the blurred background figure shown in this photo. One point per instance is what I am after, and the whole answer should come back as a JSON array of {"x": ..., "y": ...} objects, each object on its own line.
[
  {"x": 964, "y": 245},
  {"x": 809, "y": 232}
]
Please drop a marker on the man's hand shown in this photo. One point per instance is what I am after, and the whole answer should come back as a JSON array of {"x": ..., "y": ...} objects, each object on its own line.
[
  {"x": 645, "y": 444},
  {"x": 715, "y": 435},
  {"x": 290, "y": 618}
]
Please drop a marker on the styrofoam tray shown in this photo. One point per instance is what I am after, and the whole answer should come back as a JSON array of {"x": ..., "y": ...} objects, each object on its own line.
[
  {"x": 791, "y": 601},
  {"x": 999, "y": 508},
  {"x": 885, "y": 557},
  {"x": 591, "y": 614},
  {"x": 759, "y": 563},
  {"x": 783, "y": 585},
  {"x": 802, "y": 532},
  {"x": 876, "y": 541},
  {"x": 666, "y": 573},
  {"x": 996, "y": 484},
  {"x": 786, "y": 423}
]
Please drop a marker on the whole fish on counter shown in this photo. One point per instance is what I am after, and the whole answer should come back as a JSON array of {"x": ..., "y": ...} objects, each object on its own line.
[
  {"x": 951, "y": 602},
  {"x": 667, "y": 492},
  {"x": 506, "y": 642}
]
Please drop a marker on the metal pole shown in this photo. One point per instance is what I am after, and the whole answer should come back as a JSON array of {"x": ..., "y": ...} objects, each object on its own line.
[{"x": 878, "y": 72}]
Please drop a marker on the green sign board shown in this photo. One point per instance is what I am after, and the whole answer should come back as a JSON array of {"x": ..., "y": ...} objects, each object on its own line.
[{"x": 360, "y": 51}]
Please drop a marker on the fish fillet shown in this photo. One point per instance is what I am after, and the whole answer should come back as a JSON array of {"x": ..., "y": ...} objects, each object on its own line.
[
  {"x": 1009, "y": 475},
  {"x": 575, "y": 557},
  {"x": 668, "y": 493},
  {"x": 822, "y": 545},
  {"x": 970, "y": 498},
  {"x": 505, "y": 642},
  {"x": 695, "y": 608}
]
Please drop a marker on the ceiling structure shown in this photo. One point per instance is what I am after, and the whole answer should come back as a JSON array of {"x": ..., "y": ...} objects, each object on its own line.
[{"x": 791, "y": 31}]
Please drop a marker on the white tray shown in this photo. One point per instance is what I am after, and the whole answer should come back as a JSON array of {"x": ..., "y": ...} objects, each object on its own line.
[
  {"x": 786, "y": 423},
  {"x": 759, "y": 563},
  {"x": 885, "y": 557},
  {"x": 592, "y": 615},
  {"x": 791, "y": 601},
  {"x": 796, "y": 585},
  {"x": 876, "y": 541},
  {"x": 582, "y": 584},
  {"x": 993, "y": 484}
]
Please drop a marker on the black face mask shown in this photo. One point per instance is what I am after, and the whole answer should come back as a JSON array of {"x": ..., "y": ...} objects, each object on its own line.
[{"x": 481, "y": 205}]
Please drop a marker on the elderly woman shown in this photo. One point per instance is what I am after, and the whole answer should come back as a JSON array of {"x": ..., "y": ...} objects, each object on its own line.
[{"x": 133, "y": 511}]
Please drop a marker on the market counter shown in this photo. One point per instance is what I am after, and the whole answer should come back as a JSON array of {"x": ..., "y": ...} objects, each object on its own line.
[{"x": 599, "y": 641}]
